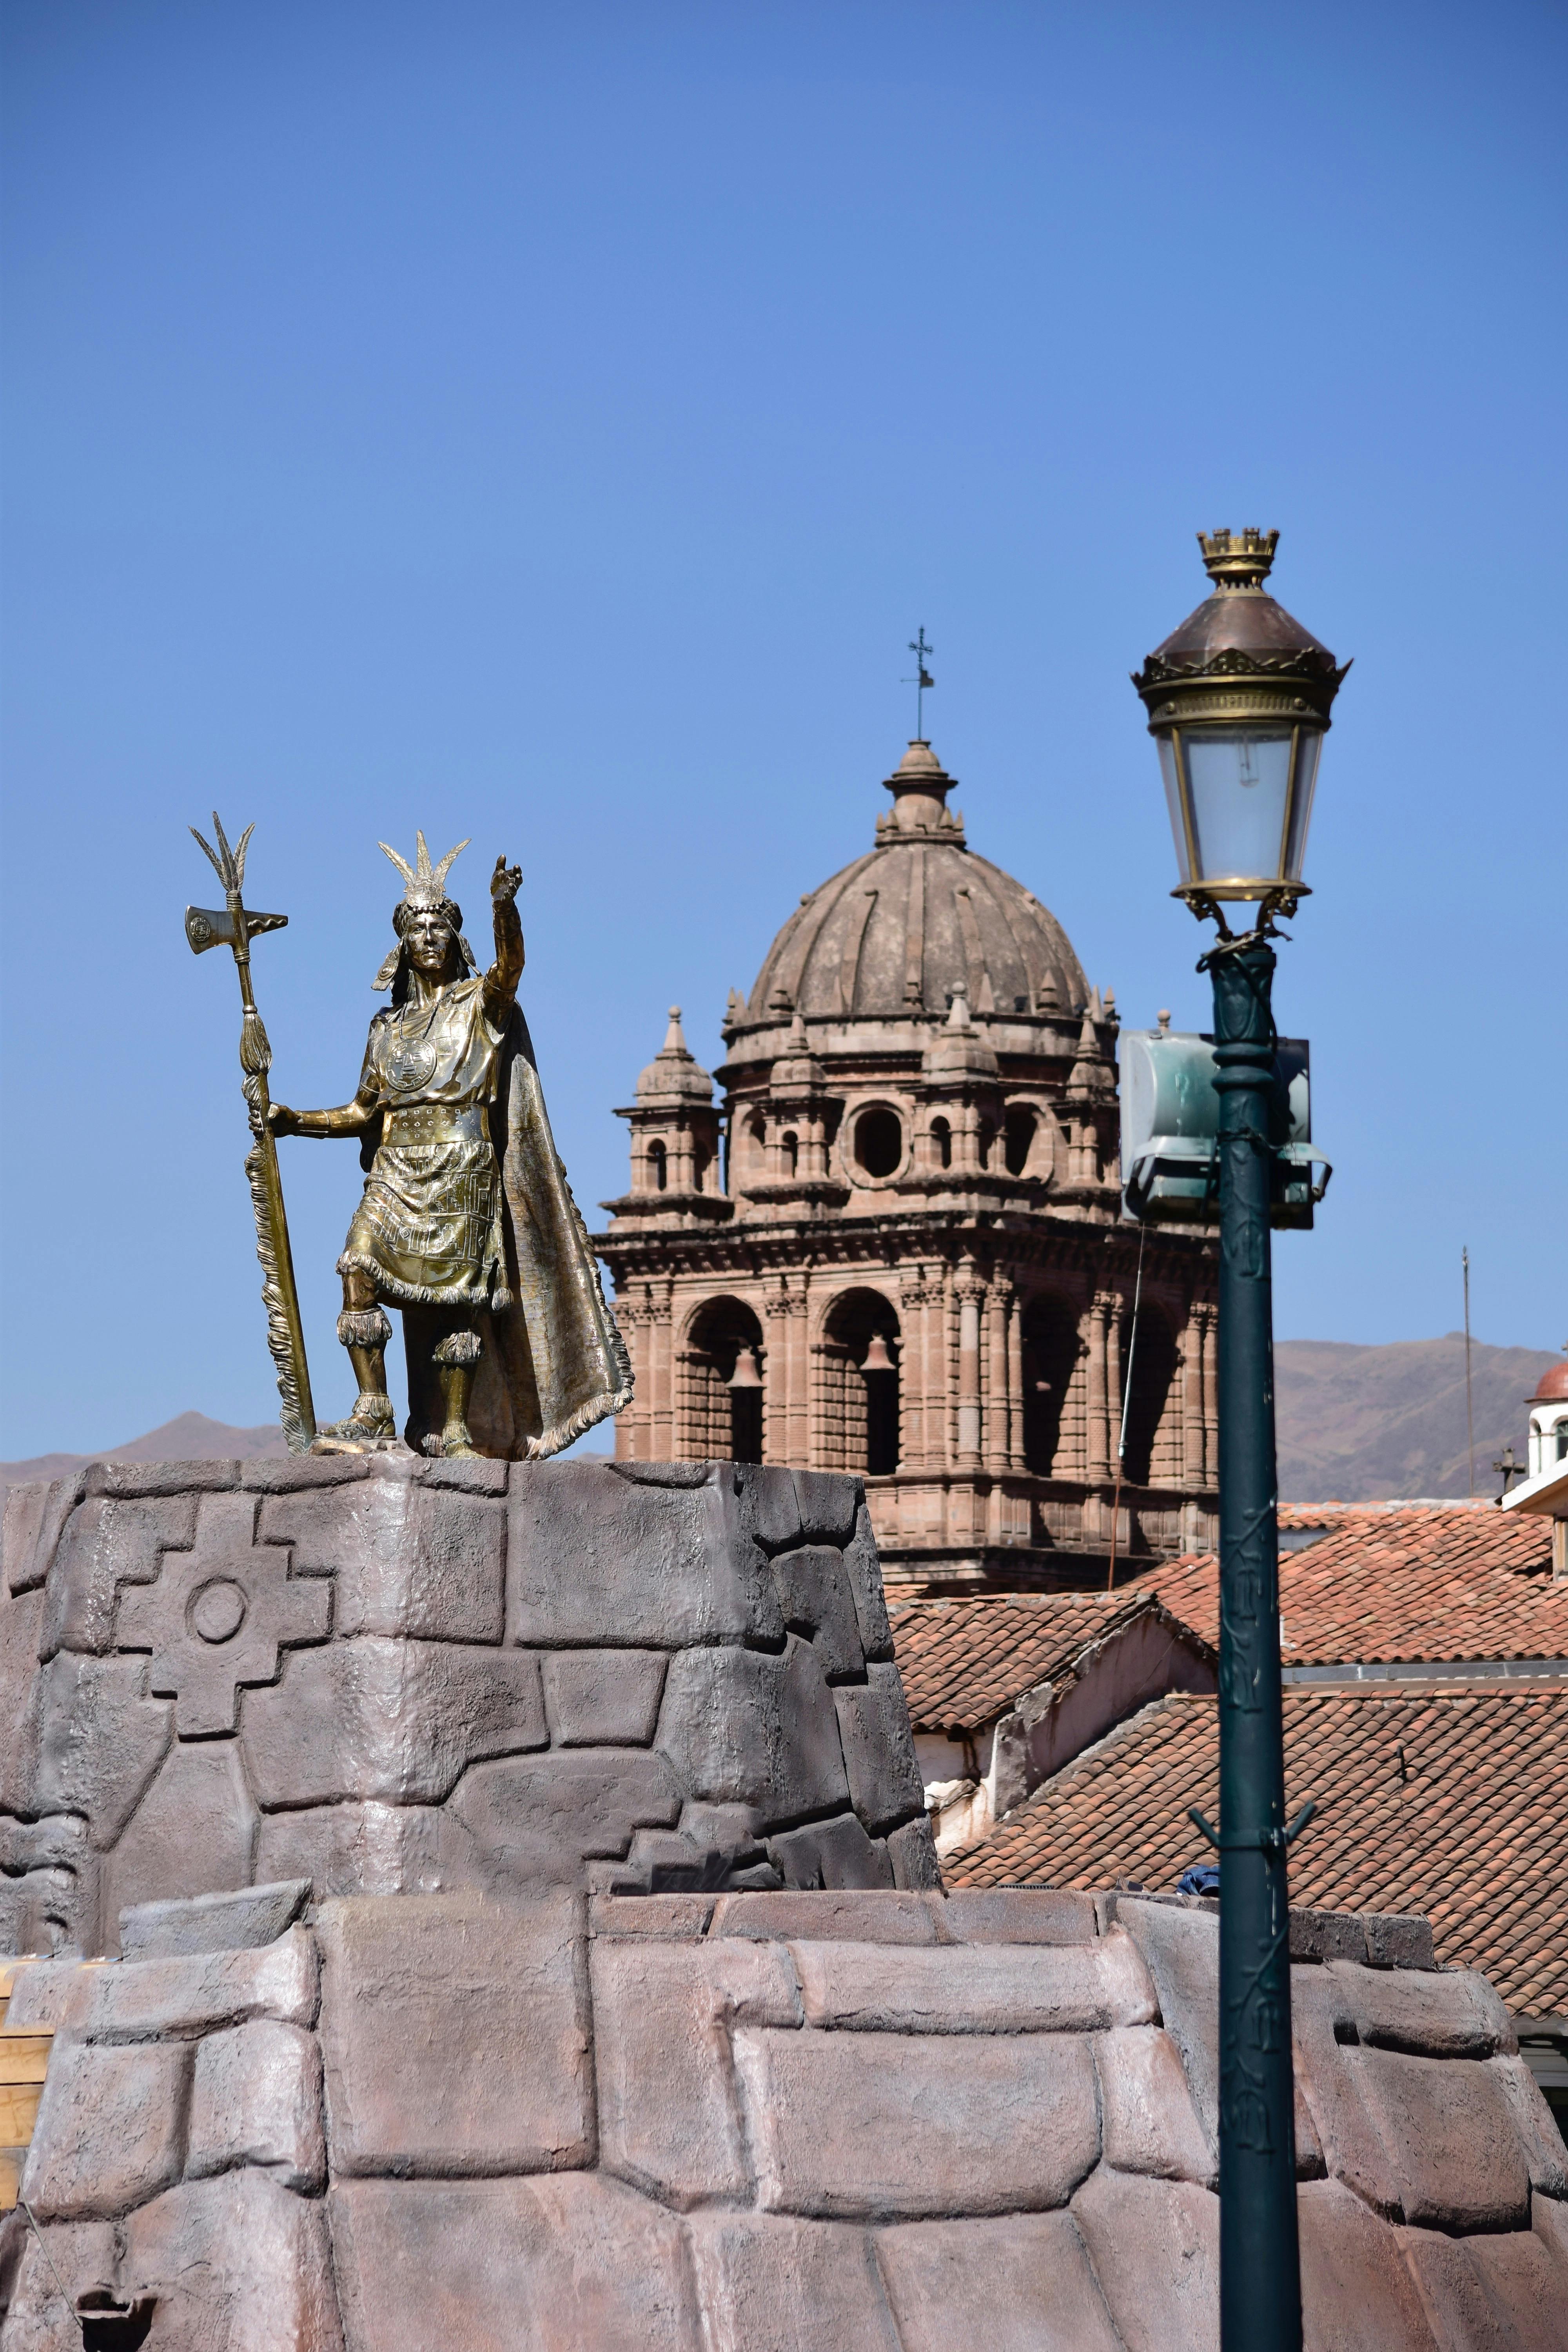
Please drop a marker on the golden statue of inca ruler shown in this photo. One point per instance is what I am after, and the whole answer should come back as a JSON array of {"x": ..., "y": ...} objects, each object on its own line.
[
  {"x": 466, "y": 1223},
  {"x": 235, "y": 927}
]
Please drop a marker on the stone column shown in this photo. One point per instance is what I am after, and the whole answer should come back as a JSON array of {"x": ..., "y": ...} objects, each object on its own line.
[
  {"x": 1210, "y": 1353},
  {"x": 971, "y": 1294},
  {"x": 786, "y": 1399},
  {"x": 1015, "y": 1459},
  {"x": 1094, "y": 1328},
  {"x": 1192, "y": 1377},
  {"x": 913, "y": 1393},
  {"x": 659, "y": 1329},
  {"x": 998, "y": 1433},
  {"x": 682, "y": 1159}
]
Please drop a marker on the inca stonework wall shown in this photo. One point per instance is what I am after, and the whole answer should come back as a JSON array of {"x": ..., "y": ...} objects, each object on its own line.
[
  {"x": 822, "y": 2122},
  {"x": 387, "y": 1675}
]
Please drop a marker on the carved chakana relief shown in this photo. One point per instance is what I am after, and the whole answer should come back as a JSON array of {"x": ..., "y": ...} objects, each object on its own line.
[{"x": 218, "y": 1616}]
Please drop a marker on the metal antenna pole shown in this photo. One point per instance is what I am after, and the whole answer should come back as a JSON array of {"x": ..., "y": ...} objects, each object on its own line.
[{"x": 1469, "y": 1400}]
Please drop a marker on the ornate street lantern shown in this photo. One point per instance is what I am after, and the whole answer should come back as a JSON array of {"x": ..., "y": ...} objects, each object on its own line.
[{"x": 1238, "y": 701}]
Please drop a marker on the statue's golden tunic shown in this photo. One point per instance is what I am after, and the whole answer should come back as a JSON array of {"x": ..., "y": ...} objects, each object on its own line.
[{"x": 428, "y": 1229}]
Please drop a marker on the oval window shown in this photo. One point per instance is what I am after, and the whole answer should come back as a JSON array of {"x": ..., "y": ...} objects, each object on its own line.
[{"x": 878, "y": 1141}]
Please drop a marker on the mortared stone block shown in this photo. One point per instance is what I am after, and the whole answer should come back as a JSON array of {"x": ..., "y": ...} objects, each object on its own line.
[
  {"x": 238, "y": 2264},
  {"x": 744, "y": 1726},
  {"x": 103, "y": 1547},
  {"x": 243, "y": 1921},
  {"x": 97, "y": 1739},
  {"x": 407, "y": 1559},
  {"x": 885, "y": 1783},
  {"x": 455, "y": 2034},
  {"x": 663, "y": 2013},
  {"x": 766, "y": 2281},
  {"x": 974, "y": 1988},
  {"x": 528, "y": 1823},
  {"x": 887, "y": 2126},
  {"x": 864, "y": 1571},
  {"x": 367, "y": 1848},
  {"x": 401, "y": 1721},
  {"x": 194, "y": 1832},
  {"x": 1454, "y": 2013},
  {"x": 110, "y": 2130},
  {"x": 604, "y": 1699},
  {"x": 1019, "y": 1915},
  {"x": 816, "y": 1601},
  {"x": 568, "y": 2263},
  {"x": 1146, "y": 2112},
  {"x": 1154, "y": 2245},
  {"x": 853, "y": 1916},
  {"x": 256, "y": 2099},
  {"x": 134, "y": 2001},
  {"x": 35, "y": 1513},
  {"x": 1023, "y": 2284},
  {"x": 912, "y": 1853},
  {"x": 1448, "y": 2128},
  {"x": 829, "y": 1854},
  {"x": 1356, "y": 2288}
]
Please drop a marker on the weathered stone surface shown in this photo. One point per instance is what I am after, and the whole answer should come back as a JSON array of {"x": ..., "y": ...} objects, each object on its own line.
[
  {"x": 1448, "y": 2128},
  {"x": 111, "y": 2129},
  {"x": 1147, "y": 2116},
  {"x": 869, "y": 1917},
  {"x": 531, "y": 1821},
  {"x": 1488, "y": 2295},
  {"x": 815, "y": 1596},
  {"x": 662, "y": 2015},
  {"x": 1355, "y": 2289},
  {"x": 41, "y": 1995},
  {"x": 102, "y": 1546},
  {"x": 912, "y": 1853},
  {"x": 830, "y": 1853},
  {"x": 408, "y": 1560},
  {"x": 213, "y": 1923},
  {"x": 398, "y": 1720},
  {"x": 256, "y": 2099},
  {"x": 829, "y": 1503},
  {"x": 454, "y": 2035},
  {"x": 1327, "y": 1935},
  {"x": 35, "y": 1513},
  {"x": 975, "y": 1987},
  {"x": 1020, "y": 2286},
  {"x": 193, "y": 1833},
  {"x": 1154, "y": 2245},
  {"x": 219, "y": 1616},
  {"x": 1539, "y": 2136},
  {"x": 20, "y": 1620},
  {"x": 604, "y": 1699},
  {"x": 1351, "y": 2146},
  {"x": 862, "y": 2126},
  {"x": 294, "y": 1472},
  {"x": 359, "y": 1849},
  {"x": 1396, "y": 1939},
  {"x": 864, "y": 1571},
  {"x": 1019, "y": 1915},
  {"x": 809, "y": 2286},
  {"x": 682, "y": 1918},
  {"x": 238, "y": 2264},
  {"x": 96, "y": 1739},
  {"x": 885, "y": 1782},
  {"x": 129, "y": 1478},
  {"x": 571, "y": 2261},
  {"x": 81, "y": 2257},
  {"x": 137, "y": 1999},
  {"x": 1452, "y": 2014},
  {"x": 740, "y": 1725},
  {"x": 661, "y": 1565}
]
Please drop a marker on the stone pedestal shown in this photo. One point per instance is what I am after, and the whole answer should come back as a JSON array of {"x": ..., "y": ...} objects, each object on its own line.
[
  {"x": 828, "y": 2122},
  {"x": 389, "y": 1676}
]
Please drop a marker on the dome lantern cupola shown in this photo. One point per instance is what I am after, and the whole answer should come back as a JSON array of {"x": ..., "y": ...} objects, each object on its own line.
[{"x": 920, "y": 785}]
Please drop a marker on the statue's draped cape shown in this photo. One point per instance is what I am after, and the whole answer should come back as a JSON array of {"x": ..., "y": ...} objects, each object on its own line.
[{"x": 554, "y": 1362}]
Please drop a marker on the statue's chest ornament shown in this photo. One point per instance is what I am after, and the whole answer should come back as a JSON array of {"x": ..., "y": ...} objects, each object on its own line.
[{"x": 411, "y": 1063}]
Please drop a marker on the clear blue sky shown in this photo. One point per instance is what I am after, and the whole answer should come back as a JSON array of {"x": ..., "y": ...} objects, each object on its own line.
[{"x": 549, "y": 424}]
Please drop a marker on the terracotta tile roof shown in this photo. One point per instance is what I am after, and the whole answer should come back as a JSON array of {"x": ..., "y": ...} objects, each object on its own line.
[
  {"x": 964, "y": 1663},
  {"x": 1453, "y": 1803},
  {"x": 1398, "y": 1582}
]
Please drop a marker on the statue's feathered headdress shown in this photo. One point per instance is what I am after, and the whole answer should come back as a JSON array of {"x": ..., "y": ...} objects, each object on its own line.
[{"x": 425, "y": 887}]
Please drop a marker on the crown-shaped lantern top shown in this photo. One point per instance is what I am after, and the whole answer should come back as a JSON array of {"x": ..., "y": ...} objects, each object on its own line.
[
  {"x": 426, "y": 884},
  {"x": 1239, "y": 558}
]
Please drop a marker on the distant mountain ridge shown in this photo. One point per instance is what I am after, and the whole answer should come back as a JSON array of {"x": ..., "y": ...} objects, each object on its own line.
[
  {"x": 1369, "y": 1425},
  {"x": 1356, "y": 1424}
]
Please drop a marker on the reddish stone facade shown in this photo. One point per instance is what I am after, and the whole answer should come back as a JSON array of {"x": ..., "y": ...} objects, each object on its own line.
[{"x": 895, "y": 1246}]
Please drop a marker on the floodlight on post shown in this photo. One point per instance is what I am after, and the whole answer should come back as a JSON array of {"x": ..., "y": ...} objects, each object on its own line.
[{"x": 1238, "y": 701}]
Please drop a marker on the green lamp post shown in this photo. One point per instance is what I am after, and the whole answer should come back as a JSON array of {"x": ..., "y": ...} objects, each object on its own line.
[{"x": 1238, "y": 701}]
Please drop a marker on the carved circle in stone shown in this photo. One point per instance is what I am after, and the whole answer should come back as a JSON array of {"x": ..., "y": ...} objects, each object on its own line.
[{"x": 216, "y": 1610}]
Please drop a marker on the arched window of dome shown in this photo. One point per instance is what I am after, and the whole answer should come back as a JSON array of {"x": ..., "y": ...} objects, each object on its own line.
[
  {"x": 699, "y": 1158},
  {"x": 658, "y": 1167},
  {"x": 789, "y": 1154},
  {"x": 1152, "y": 1456},
  {"x": 1019, "y": 1140},
  {"x": 878, "y": 1141},
  {"x": 987, "y": 1137},
  {"x": 1050, "y": 1355},
  {"x": 941, "y": 1141},
  {"x": 858, "y": 1402},
  {"x": 722, "y": 1385}
]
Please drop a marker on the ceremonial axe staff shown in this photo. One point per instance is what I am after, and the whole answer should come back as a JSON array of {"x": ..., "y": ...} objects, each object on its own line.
[{"x": 234, "y": 927}]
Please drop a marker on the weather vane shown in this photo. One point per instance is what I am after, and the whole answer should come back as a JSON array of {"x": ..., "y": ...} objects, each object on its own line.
[{"x": 921, "y": 681}]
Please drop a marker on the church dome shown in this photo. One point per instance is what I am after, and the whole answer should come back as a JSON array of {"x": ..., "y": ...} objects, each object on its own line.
[{"x": 916, "y": 921}]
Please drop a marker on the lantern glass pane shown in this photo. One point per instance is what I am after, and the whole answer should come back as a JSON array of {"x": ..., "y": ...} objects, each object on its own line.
[
  {"x": 1173, "y": 804},
  {"x": 1311, "y": 744},
  {"x": 1239, "y": 779}
]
